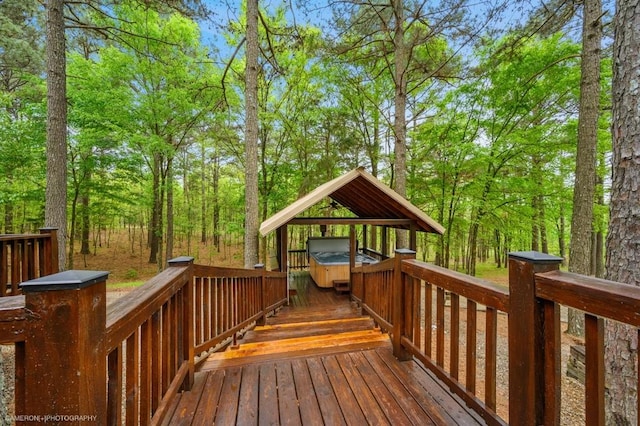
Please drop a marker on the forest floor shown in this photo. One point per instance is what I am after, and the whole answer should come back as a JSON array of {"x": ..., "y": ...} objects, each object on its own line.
[{"x": 127, "y": 259}]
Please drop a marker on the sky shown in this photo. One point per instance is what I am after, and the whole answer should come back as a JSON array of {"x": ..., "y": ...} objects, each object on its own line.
[{"x": 223, "y": 11}]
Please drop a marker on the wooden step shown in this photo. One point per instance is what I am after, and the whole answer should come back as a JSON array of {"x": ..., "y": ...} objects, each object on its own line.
[
  {"x": 259, "y": 352},
  {"x": 292, "y": 314},
  {"x": 307, "y": 328}
]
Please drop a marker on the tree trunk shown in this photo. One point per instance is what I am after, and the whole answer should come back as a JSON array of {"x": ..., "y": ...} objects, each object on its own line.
[
  {"x": 203, "y": 193},
  {"x": 585, "y": 182},
  {"x": 623, "y": 250},
  {"x": 155, "y": 231},
  {"x": 86, "y": 222},
  {"x": 251, "y": 138},
  {"x": 216, "y": 203},
  {"x": 8, "y": 211},
  {"x": 170, "y": 234},
  {"x": 56, "y": 187},
  {"x": 561, "y": 232},
  {"x": 535, "y": 230},
  {"x": 400, "y": 124}
]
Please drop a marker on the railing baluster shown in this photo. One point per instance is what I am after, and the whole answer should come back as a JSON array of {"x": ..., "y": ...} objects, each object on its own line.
[
  {"x": 4, "y": 267},
  {"x": 156, "y": 362},
  {"x": 454, "y": 334},
  {"x": 132, "y": 382},
  {"x": 594, "y": 369},
  {"x": 440, "y": 296},
  {"x": 146, "y": 372},
  {"x": 114, "y": 413},
  {"x": 472, "y": 330},
  {"x": 491, "y": 351},
  {"x": 416, "y": 285},
  {"x": 552, "y": 362},
  {"x": 165, "y": 339},
  {"x": 428, "y": 317}
]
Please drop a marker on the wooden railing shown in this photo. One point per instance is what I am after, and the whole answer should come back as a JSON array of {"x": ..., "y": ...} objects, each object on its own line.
[
  {"x": 440, "y": 305},
  {"x": 229, "y": 300},
  {"x": 149, "y": 346},
  {"x": 298, "y": 259},
  {"x": 25, "y": 257},
  {"x": 371, "y": 286},
  {"x": 440, "y": 318},
  {"x": 141, "y": 348},
  {"x": 375, "y": 254},
  {"x": 544, "y": 288}
]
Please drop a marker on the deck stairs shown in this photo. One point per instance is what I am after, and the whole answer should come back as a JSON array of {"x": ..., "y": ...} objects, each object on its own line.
[{"x": 292, "y": 333}]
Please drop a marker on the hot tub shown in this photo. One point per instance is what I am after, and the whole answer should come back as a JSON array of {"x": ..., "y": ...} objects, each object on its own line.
[{"x": 329, "y": 260}]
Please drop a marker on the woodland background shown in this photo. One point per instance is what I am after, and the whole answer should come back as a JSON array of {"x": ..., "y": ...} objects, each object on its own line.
[
  {"x": 190, "y": 121},
  {"x": 155, "y": 100}
]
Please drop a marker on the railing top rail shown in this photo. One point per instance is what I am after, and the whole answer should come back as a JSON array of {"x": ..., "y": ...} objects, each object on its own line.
[
  {"x": 23, "y": 237},
  {"x": 610, "y": 299},
  {"x": 383, "y": 265},
  {"x": 217, "y": 271},
  {"x": 482, "y": 291},
  {"x": 12, "y": 317},
  {"x": 9, "y": 304},
  {"x": 127, "y": 313}
]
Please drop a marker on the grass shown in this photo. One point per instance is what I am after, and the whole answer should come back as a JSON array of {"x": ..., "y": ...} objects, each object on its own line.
[
  {"x": 489, "y": 272},
  {"x": 125, "y": 285}
]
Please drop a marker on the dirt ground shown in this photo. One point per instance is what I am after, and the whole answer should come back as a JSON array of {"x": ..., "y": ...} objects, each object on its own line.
[{"x": 127, "y": 259}]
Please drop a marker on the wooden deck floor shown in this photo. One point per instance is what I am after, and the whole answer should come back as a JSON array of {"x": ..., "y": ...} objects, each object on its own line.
[{"x": 318, "y": 361}]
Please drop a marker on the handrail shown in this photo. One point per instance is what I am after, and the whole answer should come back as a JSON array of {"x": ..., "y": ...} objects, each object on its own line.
[
  {"x": 480, "y": 291},
  {"x": 125, "y": 314},
  {"x": 610, "y": 299}
]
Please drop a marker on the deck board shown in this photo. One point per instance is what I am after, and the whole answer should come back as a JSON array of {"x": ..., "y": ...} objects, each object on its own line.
[{"x": 318, "y": 361}]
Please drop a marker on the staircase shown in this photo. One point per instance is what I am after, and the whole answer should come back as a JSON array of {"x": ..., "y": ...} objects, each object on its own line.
[{"x": 294, "y": 333}]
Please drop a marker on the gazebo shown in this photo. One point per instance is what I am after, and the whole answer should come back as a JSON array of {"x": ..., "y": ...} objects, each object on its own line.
[{"x": 372, "y": 202}]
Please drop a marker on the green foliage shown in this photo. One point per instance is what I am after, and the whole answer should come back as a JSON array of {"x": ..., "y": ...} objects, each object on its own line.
[{"x": 149, "y": 111}]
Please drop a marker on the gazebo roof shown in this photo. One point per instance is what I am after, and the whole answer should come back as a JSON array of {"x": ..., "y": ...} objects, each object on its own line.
[{"x": 362, "y": 194}]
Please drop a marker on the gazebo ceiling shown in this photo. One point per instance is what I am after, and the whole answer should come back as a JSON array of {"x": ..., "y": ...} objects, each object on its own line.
[{"x": 362, "y": 194}]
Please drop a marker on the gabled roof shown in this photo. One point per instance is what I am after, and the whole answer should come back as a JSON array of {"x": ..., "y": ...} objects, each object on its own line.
[{"x": 362, "y": 194}]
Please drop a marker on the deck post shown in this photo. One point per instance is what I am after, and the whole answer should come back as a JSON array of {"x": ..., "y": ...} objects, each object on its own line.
[
  {"x": 188, "y": 325},
  {"x": 529, "y": 365},
  {"x": 65, "y": 364},
  {"x": 400, "y": 304},
  {"x": 263, "y": 297},
  {"x": 49, "y": 258}
]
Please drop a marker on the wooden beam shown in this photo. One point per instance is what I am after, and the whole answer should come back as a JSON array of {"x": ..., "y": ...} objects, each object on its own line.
[{"x": 405, "y": 223}]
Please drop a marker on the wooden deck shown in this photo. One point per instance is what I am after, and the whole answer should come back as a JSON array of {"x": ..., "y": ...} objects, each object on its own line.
[{"x": 318, "y": 361}]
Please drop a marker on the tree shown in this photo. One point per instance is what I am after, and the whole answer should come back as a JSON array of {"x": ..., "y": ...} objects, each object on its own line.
[
  {"x": 585, "y": 175},
  {"x": 21, "y": 95},
  {"x": 623, "y": 250},
  {"x": 523, "y": 97},
  {"x": 251, "y": 137},
  {"x": 56, "y": 191}
]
